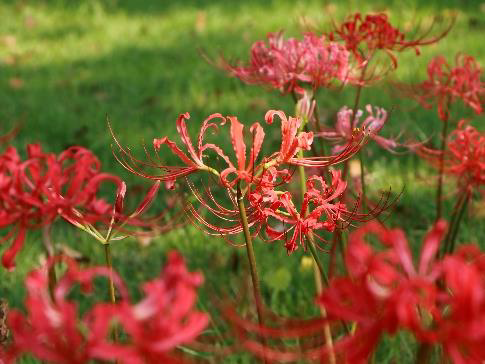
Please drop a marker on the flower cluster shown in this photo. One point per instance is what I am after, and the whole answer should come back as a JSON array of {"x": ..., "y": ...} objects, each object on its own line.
[
  {"x": 446, "y": 83},
  {"x": 271, "y": 211},
  {"x": 289, "y": 64},
  {"x": 53, "y": 331},
  {"x": 34, "y": 191},
  {"x": 250, "y": 171}
]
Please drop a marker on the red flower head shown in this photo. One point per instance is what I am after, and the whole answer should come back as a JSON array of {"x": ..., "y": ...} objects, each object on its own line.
[
  {"x": 445, "y": 84},
  {"x": 52, "y": 331},
  {"x": 35, "y": 191},
  {"x": 363, "y": 36},
  {"x": 321, "y": 210},
  {"x": 243, "y": 172},
  {"x": 464, "y": 156},
  {"x": 164, "y": 319},
  {"x": 460, "y": 329},
  {"x": 192, "y": 162},
  {"x": 385, "y": 291},
  {"x": 289, "y": 64}
]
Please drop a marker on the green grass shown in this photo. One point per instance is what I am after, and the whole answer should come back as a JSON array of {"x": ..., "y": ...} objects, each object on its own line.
[{"x": 69, "y": 65}]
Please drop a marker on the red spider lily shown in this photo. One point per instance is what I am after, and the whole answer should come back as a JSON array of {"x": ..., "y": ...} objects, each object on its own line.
[
  {"x": 365, "y": 35},
  {"x": 52, "y": 331},
  {"x": 464, "y": 156},
  {"x": 122, "y": 222},
  {"x": 193, "y": 162},
  {"x": 446, "y": 83},
  {"x": 321, "y": 210},
  {"x": 237, "y": 138},
  {"x": 344, "y": 132},
  {"x": 289, "y": 64},
  {"x": 460, "y": 329},
  {"x": 384, "y": 292},
  {"x": 293, "y": 141},
  {"x": 37, "y": 190},
  {"x": 164, "y": 319}
]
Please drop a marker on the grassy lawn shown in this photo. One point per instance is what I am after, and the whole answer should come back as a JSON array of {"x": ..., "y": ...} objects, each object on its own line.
[{"x": 68, "y": 65}]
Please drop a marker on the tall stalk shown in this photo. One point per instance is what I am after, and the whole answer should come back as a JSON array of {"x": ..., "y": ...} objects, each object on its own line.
[
  {"x": 439, "y": 189},
  {"x": 319, "y": 273},
  {"x": 111, "y": 289},
  {"x": 251, "y": 257},
  {"x": 459, "y": 211}
]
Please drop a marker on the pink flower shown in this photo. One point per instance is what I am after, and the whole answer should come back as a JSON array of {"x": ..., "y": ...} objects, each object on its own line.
[
  {"x": 289, "y": 64},
  {"x": 344, "y": 133}
]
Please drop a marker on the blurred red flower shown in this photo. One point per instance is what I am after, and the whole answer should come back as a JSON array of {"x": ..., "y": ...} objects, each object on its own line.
[
  {"x": 446, "y": 83},
  {"x": 35, "y": 191},
  {"x": 53, "y": 331}
]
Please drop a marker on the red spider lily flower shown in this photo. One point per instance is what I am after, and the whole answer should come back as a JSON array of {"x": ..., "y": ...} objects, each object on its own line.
[
  {"x": 446, "y": 83},
  {"x": 289, "y": 64},
  {"x": 321, "y": 210},
  {"x": 460, "y": 330},
  {"x": 193, "y": 162},
  {"x": 293, "y": 141},
  {"x": 385, "y": 291},
  {"x": 34, "y": 192},
  {"x": 164, "y": 319},
  {"x": 344, "y": 132},
  {"x": 363, "y": 36},
  {"x": 464, "y": 156},
  {"x": 237, "y": 138},
  {"x": 52, "y": 331},
  {"x": 440, "y": 302}
]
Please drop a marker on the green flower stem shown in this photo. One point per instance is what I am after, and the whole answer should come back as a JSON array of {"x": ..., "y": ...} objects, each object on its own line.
[
  {"x": 319, "y": 272},
  {"x": 251, "y": 256},
  {"x": 112, "y": 295},
  {"x": 439, "y": 189},
  {"x": 453, "y": 232}
]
